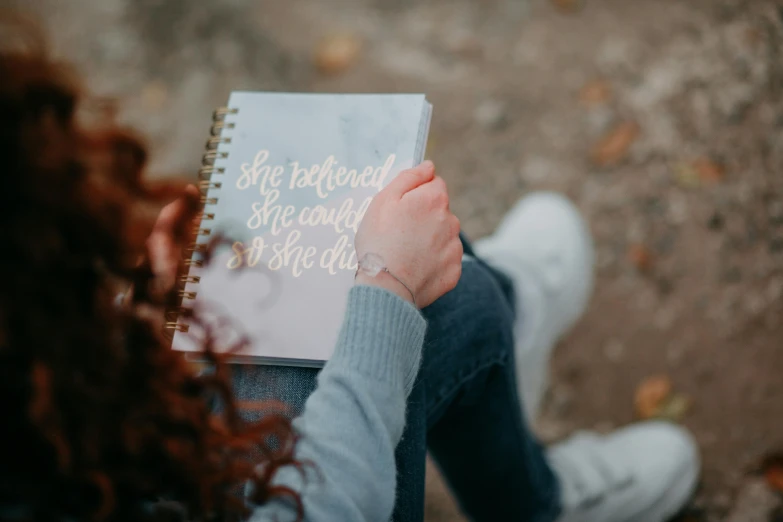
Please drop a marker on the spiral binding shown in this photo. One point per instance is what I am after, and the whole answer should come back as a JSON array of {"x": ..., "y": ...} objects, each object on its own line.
[{"x": 206, "y": 184}]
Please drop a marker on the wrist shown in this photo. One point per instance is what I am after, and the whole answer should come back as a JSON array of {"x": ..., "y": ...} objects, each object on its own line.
[{"x": 385, "y": 281}]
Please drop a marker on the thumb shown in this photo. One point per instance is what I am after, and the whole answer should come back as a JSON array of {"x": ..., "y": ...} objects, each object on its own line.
[
  {"x": 171, "y": 216},
  {"x": 408, "y": 180}
]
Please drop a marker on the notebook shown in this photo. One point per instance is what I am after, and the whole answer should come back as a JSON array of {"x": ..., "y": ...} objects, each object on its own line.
[{"x": 286, "y": 180}]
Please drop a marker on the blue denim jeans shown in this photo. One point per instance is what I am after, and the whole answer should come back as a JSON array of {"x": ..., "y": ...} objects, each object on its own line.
[{"x": 464, "y": 408}]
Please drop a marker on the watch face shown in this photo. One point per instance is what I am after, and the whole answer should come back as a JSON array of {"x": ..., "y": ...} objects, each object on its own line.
[{"x": 371, "y": 264}]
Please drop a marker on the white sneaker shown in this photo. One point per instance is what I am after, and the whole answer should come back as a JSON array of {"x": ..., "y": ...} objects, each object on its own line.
[
  {"x": 545, "y": 247},
  {"x": 644, "y": 473}
]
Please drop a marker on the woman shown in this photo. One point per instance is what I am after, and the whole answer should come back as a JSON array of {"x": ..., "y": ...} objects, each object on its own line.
[{"x": 102, "y": 421}]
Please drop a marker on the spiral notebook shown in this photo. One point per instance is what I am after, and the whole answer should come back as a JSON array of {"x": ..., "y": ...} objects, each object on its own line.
[{"x": 286, "y": 180}]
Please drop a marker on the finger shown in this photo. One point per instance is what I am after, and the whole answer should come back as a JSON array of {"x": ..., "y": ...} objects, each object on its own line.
[
  {"x": 455, "y": 226},
  {"x": 162, "y": 257},
  {"x": 455, "y": 268},
  {"x": 408, "y": 180},
  {"x": 173, "y": 217},
  {"x": 160, "y": 247},
  {"x": 440, "y": 184},
  {"x": 192, "y": 198},
  {"x": 434, "y": 192},
  {"x": 192, "y": 191},
  {"x": 167, "y": 218}
]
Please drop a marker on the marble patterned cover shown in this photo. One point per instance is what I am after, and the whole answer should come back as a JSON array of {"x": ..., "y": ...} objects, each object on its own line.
[{"x": 288, "y": 203}]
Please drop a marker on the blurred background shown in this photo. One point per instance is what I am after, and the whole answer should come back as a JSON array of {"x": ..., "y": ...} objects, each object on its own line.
[{"x": 662, "y": 119}]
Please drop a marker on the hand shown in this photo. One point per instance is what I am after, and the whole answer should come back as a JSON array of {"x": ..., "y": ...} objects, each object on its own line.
[
  {"x": 410, "y": 226},
  {"x": 172, "y": 230}
]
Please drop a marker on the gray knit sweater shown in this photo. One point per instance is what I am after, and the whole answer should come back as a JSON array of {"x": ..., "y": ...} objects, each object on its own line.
[{"x": 354, "y": 419}]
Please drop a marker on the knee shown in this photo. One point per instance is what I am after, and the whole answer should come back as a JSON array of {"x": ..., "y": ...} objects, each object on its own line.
[{"x": 476, "y": 309}]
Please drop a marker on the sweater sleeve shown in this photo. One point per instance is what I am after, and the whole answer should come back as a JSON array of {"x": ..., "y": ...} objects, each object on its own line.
[{"x": 352, "y": 422}]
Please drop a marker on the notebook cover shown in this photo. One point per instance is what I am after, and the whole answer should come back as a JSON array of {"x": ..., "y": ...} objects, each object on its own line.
[{"x": 298, "y": 173}]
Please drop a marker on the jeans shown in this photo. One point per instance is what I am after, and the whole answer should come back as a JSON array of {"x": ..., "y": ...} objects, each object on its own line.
[{"x": 464, "y": 408}]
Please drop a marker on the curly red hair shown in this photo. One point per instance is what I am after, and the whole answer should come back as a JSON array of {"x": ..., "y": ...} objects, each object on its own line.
[{"x": 100, "y": 418}]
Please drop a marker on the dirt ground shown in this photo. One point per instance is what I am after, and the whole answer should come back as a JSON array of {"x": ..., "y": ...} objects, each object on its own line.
[{"x": 662, "y": 119}]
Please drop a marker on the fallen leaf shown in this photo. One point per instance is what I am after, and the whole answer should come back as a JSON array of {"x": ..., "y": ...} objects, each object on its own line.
[
  {"x": 613, "y": 148},
  {"x": 674, "y": 408},
  {"x": 686, "y": 176},
  {"x": 337, "y": 53},
  {"x": 708, "y": 171},
  {"x": 699, "y": 172},
  {"x": 596, "y": 92},
  {"x": 569, "y": 6},
  {"x": 640, "y": 257},
  {"x": 466, "y": 46},
  {"x": 651, "y": 394},
  {"x": 772, "y": 468},
  {"x": 753, "y": 37},
  {"x": 774, "y": 477}
]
